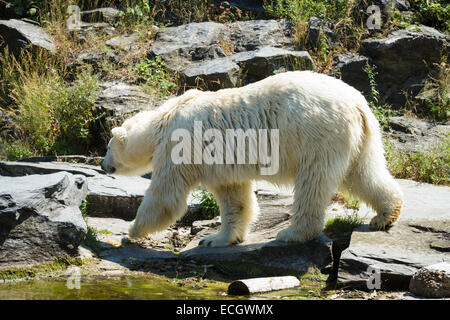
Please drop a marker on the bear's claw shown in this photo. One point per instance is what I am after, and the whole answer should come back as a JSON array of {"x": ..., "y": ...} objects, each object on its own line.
[
  {"x": 384, "y": 221},
  {"x": 218, "y": 240}
]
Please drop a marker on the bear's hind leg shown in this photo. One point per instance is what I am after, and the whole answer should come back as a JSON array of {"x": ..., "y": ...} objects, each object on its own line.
[
  {"x": 374, "y": 185},
  {"x": 238, "y": 207}
]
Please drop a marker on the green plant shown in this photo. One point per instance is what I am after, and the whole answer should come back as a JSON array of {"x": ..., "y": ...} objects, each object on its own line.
[
  {"x": 25, "y": 8},
  {"x": 434, "y": 13},
  {"x": 207, "y": 203},
  {"x": 54, "y": 116},
  {"x": 136, "y": 15},
  {"x": 431, "y": 165},
  {"x": 282, "y": 8},
  {"x": 305, "y": 9},
  {"x": 381, "y": 111},
  {"x": 347, "y": 200},
  {"x": 344, "y": 224},
  {"x": 16, "y": 151},
  {"x": 152, "y": 71},
  {"x": 437, "y": 104},
  {"x": 91, "y": 239}
]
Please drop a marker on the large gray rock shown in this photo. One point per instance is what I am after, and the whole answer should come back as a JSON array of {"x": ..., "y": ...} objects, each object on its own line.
[
  {"x": 317, "y": 29},
  {"x": 266, "y": 61},
  {"x": 245, "y": 67},
  {"x": 253, "y": 34},
  {"x": 107, "y": 195},
  {"x": 119, "y": 100},
  {"x": 18, "y": 35},
  {"x": 215, "y": 55},
  {"x": 421, "y": 237},
  {"x": 110, "y": 196},
  {"x": 191, "y": 42},
  {"x": 211, "y": 74},
  {"x": 432, "y": 281},
  {"x": 404, "y": 60},
  {"x": 412, "y": 134},
  {"x": 40, "y": 218},
  {"x": 349, "y": 67}
]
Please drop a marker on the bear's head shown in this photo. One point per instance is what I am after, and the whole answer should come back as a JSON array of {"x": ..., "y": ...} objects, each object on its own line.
[{"x": 129, "y": 151}]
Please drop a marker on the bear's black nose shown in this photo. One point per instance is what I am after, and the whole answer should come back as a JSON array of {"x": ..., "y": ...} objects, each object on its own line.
[{"x": 112, "y": 170}]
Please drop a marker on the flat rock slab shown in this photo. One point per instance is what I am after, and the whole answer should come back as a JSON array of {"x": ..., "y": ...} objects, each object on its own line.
[
  {"x": 260, "y": 254},
  {"x": 18, "y": 35},
  {"x": 133, "y": 257},
  {"x": 119, "y": 100},
  {"x": 411, "y": 134},
  {"x": 421, "y": 237},
  {"x": 108, "y": 195}
]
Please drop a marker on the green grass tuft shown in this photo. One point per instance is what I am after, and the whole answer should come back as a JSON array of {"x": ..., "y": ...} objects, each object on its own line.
[{"x": 208, "y": 204}]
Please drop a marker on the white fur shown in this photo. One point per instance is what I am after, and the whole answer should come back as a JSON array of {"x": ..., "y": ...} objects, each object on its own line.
[{"x": 329, "y": 138}]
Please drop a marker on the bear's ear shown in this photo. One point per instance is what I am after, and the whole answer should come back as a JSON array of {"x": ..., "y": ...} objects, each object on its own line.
[{"x": 120, "y": 133}]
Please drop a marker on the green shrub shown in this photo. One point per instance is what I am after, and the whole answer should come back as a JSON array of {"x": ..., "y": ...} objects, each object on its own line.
[
  {"x": 381, "y": 111},
  {"x": 430, "y": 165},
  {"x": 152, "y": 72},
  {"x": 15, "y": 151},
  {"x": 207, "y": 203},
  {"x": 55, "y": 117},
  {"x": 137, "y": 14},
  {"x": 434, "y": 13},
  {"x": 344, "y": 224},
  {"x": 304, "y": 9}
]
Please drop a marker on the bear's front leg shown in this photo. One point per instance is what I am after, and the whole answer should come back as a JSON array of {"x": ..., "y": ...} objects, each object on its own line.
[
  {"x": 163, "y": 204},
  {"x": 238, "y": 207}
]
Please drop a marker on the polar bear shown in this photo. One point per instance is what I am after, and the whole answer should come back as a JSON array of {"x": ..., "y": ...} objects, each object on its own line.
[{"x": 328, "y": 138}]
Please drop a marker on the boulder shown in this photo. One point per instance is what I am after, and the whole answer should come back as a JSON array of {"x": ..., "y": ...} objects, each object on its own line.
[
  {"x": 432, "y": 281},
  {"x": 107, "y": 195},
  {"x": 420, "y": 237},
  {"x": 245, "y": 67},
  {"x": 119, "y": 100},
  {"x": 318, "y": 28},
  {"x": 216, "y": 56},
  {"x": 266, "y": 61},
  {"x": 181, "y": 45},
  {"x": 18, "y": 35},
  {"x": 253, "y": 34},
  {"x": 211, "y": 74},
  {"x": 404, "y": 60},
  {"x": 412, "y": 134},
  {"x": 40, "y": 218},
  {"x": 349, "y": 67}
]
